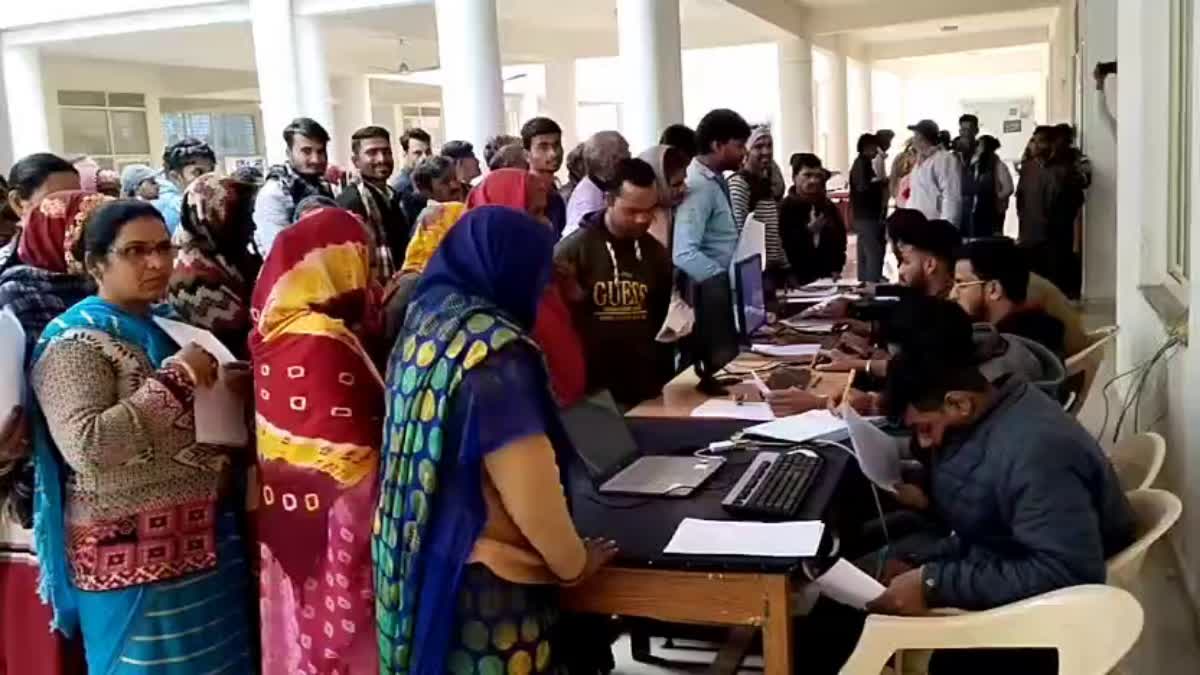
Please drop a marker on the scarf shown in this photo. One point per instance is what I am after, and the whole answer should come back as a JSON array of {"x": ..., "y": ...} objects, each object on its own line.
[
  {"x": 429, "y": 229},
  {"x": 211, "y": 282},
  {"x": 54, "y": 227},
  {"x": 49, "y": 527},
  {"x": 382, "y": 264},
  {"x": 478, "y": 295},
  {"x": 502, "y": 187},
  {"x": 299, "y": 187}
]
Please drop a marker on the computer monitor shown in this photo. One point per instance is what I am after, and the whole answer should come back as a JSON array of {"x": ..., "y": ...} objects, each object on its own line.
[
  {"x": 600, "y": 436},
  {"x": 715, "y": 337},
  {"x": 752, "y": 297}
]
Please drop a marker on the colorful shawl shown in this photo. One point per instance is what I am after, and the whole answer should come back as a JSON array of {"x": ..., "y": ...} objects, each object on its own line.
[
  {"x": 382, "y": 264},
  {"x": 211, "y": 282},
  {"x": 508, "y": 187},
  {"x": 319, "y": 403},
  {"x": 479, "y": 294},
  {"x": 428, "y": 231}
]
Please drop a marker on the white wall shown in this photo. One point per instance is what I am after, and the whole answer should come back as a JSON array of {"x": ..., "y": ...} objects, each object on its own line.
[
  {"x": 1098, "y": 22},
  {"x": 1141, "y": 203}
]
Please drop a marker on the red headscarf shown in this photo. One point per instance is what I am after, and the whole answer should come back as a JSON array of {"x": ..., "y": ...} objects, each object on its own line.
[
  {"x": 54, "y": 226},
  {"x": 553, "y": 330}
]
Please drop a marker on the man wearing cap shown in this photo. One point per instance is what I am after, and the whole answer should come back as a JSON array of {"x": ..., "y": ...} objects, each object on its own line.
[{"x": 937, "y": 178}]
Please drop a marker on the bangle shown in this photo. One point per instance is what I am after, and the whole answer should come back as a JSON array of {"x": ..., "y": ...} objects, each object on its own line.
[{"x": 180, "y": 364}]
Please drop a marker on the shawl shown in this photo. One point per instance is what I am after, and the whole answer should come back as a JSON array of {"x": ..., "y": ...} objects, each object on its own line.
[
  {"x": 382, "y": 264},
  {"x": 428, "y": 231}
]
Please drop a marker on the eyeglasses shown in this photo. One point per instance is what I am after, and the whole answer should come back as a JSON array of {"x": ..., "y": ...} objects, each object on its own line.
[
  {"x": 138, "y": 254},
  {"x": 965, "y": 284}
]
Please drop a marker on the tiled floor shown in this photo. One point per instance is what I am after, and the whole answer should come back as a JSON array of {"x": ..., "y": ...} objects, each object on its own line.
[{"x": 1170, "y": 641}]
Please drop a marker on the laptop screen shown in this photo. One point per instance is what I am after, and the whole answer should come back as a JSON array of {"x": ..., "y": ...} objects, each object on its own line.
[
  {"x": 751, "y": 296},
  {"x": 598, "y": 432}
]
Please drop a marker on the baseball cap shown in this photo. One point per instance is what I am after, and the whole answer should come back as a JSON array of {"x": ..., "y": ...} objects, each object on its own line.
[{"x": 927, "y": 128}]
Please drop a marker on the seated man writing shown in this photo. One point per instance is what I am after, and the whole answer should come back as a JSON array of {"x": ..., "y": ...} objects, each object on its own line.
[
  {"x": 625, "y": 277},
  {"x": 991, "y": 280},
  {"x": 1028, "y": 501}
]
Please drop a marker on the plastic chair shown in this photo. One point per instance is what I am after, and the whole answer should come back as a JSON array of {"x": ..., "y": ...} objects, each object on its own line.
[
  {"x": 1092, "y": 627},
  {"x": 1083, "y": 366},
  {"x": 1138, "y": 459},
  {"x": 1156, "y": 512}
]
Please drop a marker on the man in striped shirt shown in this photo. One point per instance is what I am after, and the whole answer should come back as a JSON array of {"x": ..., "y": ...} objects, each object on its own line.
[{"x": 753, "y": 192}]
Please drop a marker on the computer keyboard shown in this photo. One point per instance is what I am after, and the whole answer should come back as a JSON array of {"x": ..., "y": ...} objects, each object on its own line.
[{"x": 774, "y": 485}]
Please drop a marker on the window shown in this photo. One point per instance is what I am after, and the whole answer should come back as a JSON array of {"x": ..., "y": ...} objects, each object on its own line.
[
  {"x": 1179, "y": 170},
  {"x": 426, "y": 117},
  {"x": 110, "y": 127},
  {"x": 229, "y": 134}
]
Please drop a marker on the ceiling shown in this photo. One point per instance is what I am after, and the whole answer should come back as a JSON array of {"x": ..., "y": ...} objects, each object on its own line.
[{"x": 977, "y": 23}]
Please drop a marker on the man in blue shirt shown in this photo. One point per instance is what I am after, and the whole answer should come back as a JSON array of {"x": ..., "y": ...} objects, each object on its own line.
[
  {"x": 183, "y": 162},
  {"x": 705, "y": 234}
]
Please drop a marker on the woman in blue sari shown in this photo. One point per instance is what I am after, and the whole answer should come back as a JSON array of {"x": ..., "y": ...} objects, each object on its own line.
[
  {"x": 473, "y": 535},
  {"x": 139, "y": 550}
]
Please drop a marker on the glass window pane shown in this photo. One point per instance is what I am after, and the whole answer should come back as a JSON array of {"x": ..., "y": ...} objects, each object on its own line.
[
  {"x": 130, "y": 136},
  {"x": 173, "y": 128},
  {"x": 85, "y": 131},
  {"x": 88, "y": 98},
  {"x": 127, "y": 100}
]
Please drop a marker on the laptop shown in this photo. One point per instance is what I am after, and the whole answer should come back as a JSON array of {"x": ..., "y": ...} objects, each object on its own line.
[{"x": 597, "y": 429}]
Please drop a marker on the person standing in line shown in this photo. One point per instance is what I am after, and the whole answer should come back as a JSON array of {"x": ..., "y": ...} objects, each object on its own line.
[
  {"x": 601, "y": 154},
  {"x": 937, "y": 178},
  {"x": 416, "y": 146},
  {"x": 868, "y": 201},
  {"x": 137, "y": 182},
  {"x": 670, "y": 171},
  {"x": 814, "y": 235},
  {"x": 303, "y": 175},
  {"x": 370, "y": 197},
  {"x": 681, "y": 137},
  {"x": 542, "y": 139},
  {"x": 319, "y": 411},
  {"x": 987, "y": 188},
  {"x": 705, "y": 232},
  {"x": 576, "y": 170},
  {"x": 466, "y": 164},
  {"x": 1049, "y": 196},
  {"x": 183, "y": 162},
  {"x": 493, "y": 146},
  {"x": 435, "y": 182},
  {"x": 967, "y": 143},
  {"x": 752, "y": 193}
]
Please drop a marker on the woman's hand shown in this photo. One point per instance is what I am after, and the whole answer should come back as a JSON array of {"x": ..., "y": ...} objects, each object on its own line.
[
  {"x": 14, "y": 436},
  {"x": 793, "y": 401},
  {"x": 238, "y": 377},
  {"x": 600, "y": 552},
  {"x": 201, "y": 365}
]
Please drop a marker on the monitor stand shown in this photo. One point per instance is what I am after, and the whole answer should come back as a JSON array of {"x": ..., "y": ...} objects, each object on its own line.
[{"x": 716, "y": 386}]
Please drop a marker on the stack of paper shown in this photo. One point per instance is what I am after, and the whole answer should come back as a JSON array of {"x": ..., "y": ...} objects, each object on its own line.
[
  {"x": 797, "y": 539},
  {"x": 849, "y": 585},
  {"x": 12, "y": 362},
  {"x": 220, "y": 413},
  {"x": 734, "y": 410},
  {"x": 799, "y": 428},
  {"x": 786, "y": 351}
]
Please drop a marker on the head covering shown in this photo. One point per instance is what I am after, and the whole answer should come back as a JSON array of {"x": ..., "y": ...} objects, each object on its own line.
[
  {"x": 88, "y": 170},
  {"x": 214, "y": 271},
  {"x": 133, "y": 176},
  {"x": 428, "y": 231},
  {"x": 497, "y": 254},
  {"x": 53, "y": 228},
  {"x": 656, "y": 156},
  {"x": 758, "y": 132},
  {"x": 489, "y": 271},
  {"x": 503, "y": 187}
]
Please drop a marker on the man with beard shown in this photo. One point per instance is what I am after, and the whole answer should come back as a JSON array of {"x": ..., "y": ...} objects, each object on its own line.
[
  {"x": 369, "y": 195},
  {"x": 288, "y": 184}
]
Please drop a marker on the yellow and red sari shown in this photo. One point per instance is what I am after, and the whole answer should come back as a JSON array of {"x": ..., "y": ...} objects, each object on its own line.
[{"x": 319, "y": 410}]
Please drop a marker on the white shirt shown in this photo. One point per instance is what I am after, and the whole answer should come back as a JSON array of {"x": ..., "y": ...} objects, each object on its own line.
[{"x": 937, "y": 187}]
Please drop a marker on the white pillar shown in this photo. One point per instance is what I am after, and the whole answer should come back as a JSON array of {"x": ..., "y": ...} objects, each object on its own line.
[
  {"x": 561, "y": 104},
  {"x": 794, "y": 132},
  {"x": 868, "y": 98},
  {"x": 26, "y": 101},
  {"x": 472, "y": 91},
  {"x": 315, "y": 99},
  {"x": 353, "y": 113},
  {"x": 278, "y": 76},
  {"x": 839, "y": 141},
  {"x": 651, "y": 69}
]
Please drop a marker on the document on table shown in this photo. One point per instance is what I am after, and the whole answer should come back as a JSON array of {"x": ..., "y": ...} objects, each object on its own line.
[
  {"x": 878, "y": 453},
  {"x": 734, "y": 410},
  {"x": 799, "y": 428},
  {"x": 220, "y": 413},
  {"x": 752, "y": 241},
  {"x": 797, "y": 539},
  {"x": 12, "y": 362},
  {"x": 849, "y": 585},
  {"x": 786, "y": 351},
  {"x": 813, "y": 326}
]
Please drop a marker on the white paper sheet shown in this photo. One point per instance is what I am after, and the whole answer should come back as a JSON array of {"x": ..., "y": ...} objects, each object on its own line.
[
  {"x": 785, "y": 351},
  {"x": 730, "y": 537},
  {"x": 849, "y": 585},
  {"x": 734, "y": 410},
  {"x": 878, "y": 453},
  {"x": 12, "y": 363},
  {"x": 220, "y": 413},
  {"x": 799, "y": 428},
  {"x": 814, "y": 326},
  {"x": 752, "y": 241}
]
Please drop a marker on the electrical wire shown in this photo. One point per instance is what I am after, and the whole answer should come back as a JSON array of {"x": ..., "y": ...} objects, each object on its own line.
[
  {"x": 1132, "y": 400},
  {"x": 887, "y": 537},
  {"x": 1134, "y": 371}
]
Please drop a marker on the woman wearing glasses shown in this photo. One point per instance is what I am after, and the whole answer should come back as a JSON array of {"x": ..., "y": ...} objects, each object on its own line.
[{"x": 139, "y": 550}]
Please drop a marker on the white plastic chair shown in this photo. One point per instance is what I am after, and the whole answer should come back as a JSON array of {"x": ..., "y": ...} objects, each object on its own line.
[
  {"x": 1083, "y": 366},
  {"x": 1092, "y": 627},
  {"x": 1156, "y": 511},
  {"x": 1138, "y": 459}
]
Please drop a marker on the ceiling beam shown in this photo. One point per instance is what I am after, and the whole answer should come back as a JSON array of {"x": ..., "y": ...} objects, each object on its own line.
[
  {"x": 890, "y": 13},
  {"x": 780, "y": 13},
  {"x": 233, "y": 11},
  {"x": 966, "y": 42}
]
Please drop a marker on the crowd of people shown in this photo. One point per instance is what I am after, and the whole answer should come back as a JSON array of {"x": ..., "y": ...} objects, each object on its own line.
[{"x": 405, "y": 340}]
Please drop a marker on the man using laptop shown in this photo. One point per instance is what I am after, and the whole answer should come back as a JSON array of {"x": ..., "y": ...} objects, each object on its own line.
[
  {"x": 1028, "y": 501},
  {"x": 625, "y": 275}
]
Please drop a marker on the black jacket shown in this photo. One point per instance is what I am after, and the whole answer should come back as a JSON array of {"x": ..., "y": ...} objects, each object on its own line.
[
  {"x": 1032, "y": 500},
  {"x": 811, "y": 260},
  {"x": 395, "y": 223},
  {"x": 868, "y": 197}
]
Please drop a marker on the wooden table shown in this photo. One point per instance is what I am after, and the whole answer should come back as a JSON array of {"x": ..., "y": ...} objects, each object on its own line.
[{"x": 723, "y": 598}]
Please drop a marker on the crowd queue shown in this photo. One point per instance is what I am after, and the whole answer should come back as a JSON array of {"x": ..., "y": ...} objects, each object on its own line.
[{"x": 406, "y": 340}]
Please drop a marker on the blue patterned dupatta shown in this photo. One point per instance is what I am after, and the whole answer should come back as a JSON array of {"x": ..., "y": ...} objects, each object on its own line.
[{"x": 478, "y": 295}]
